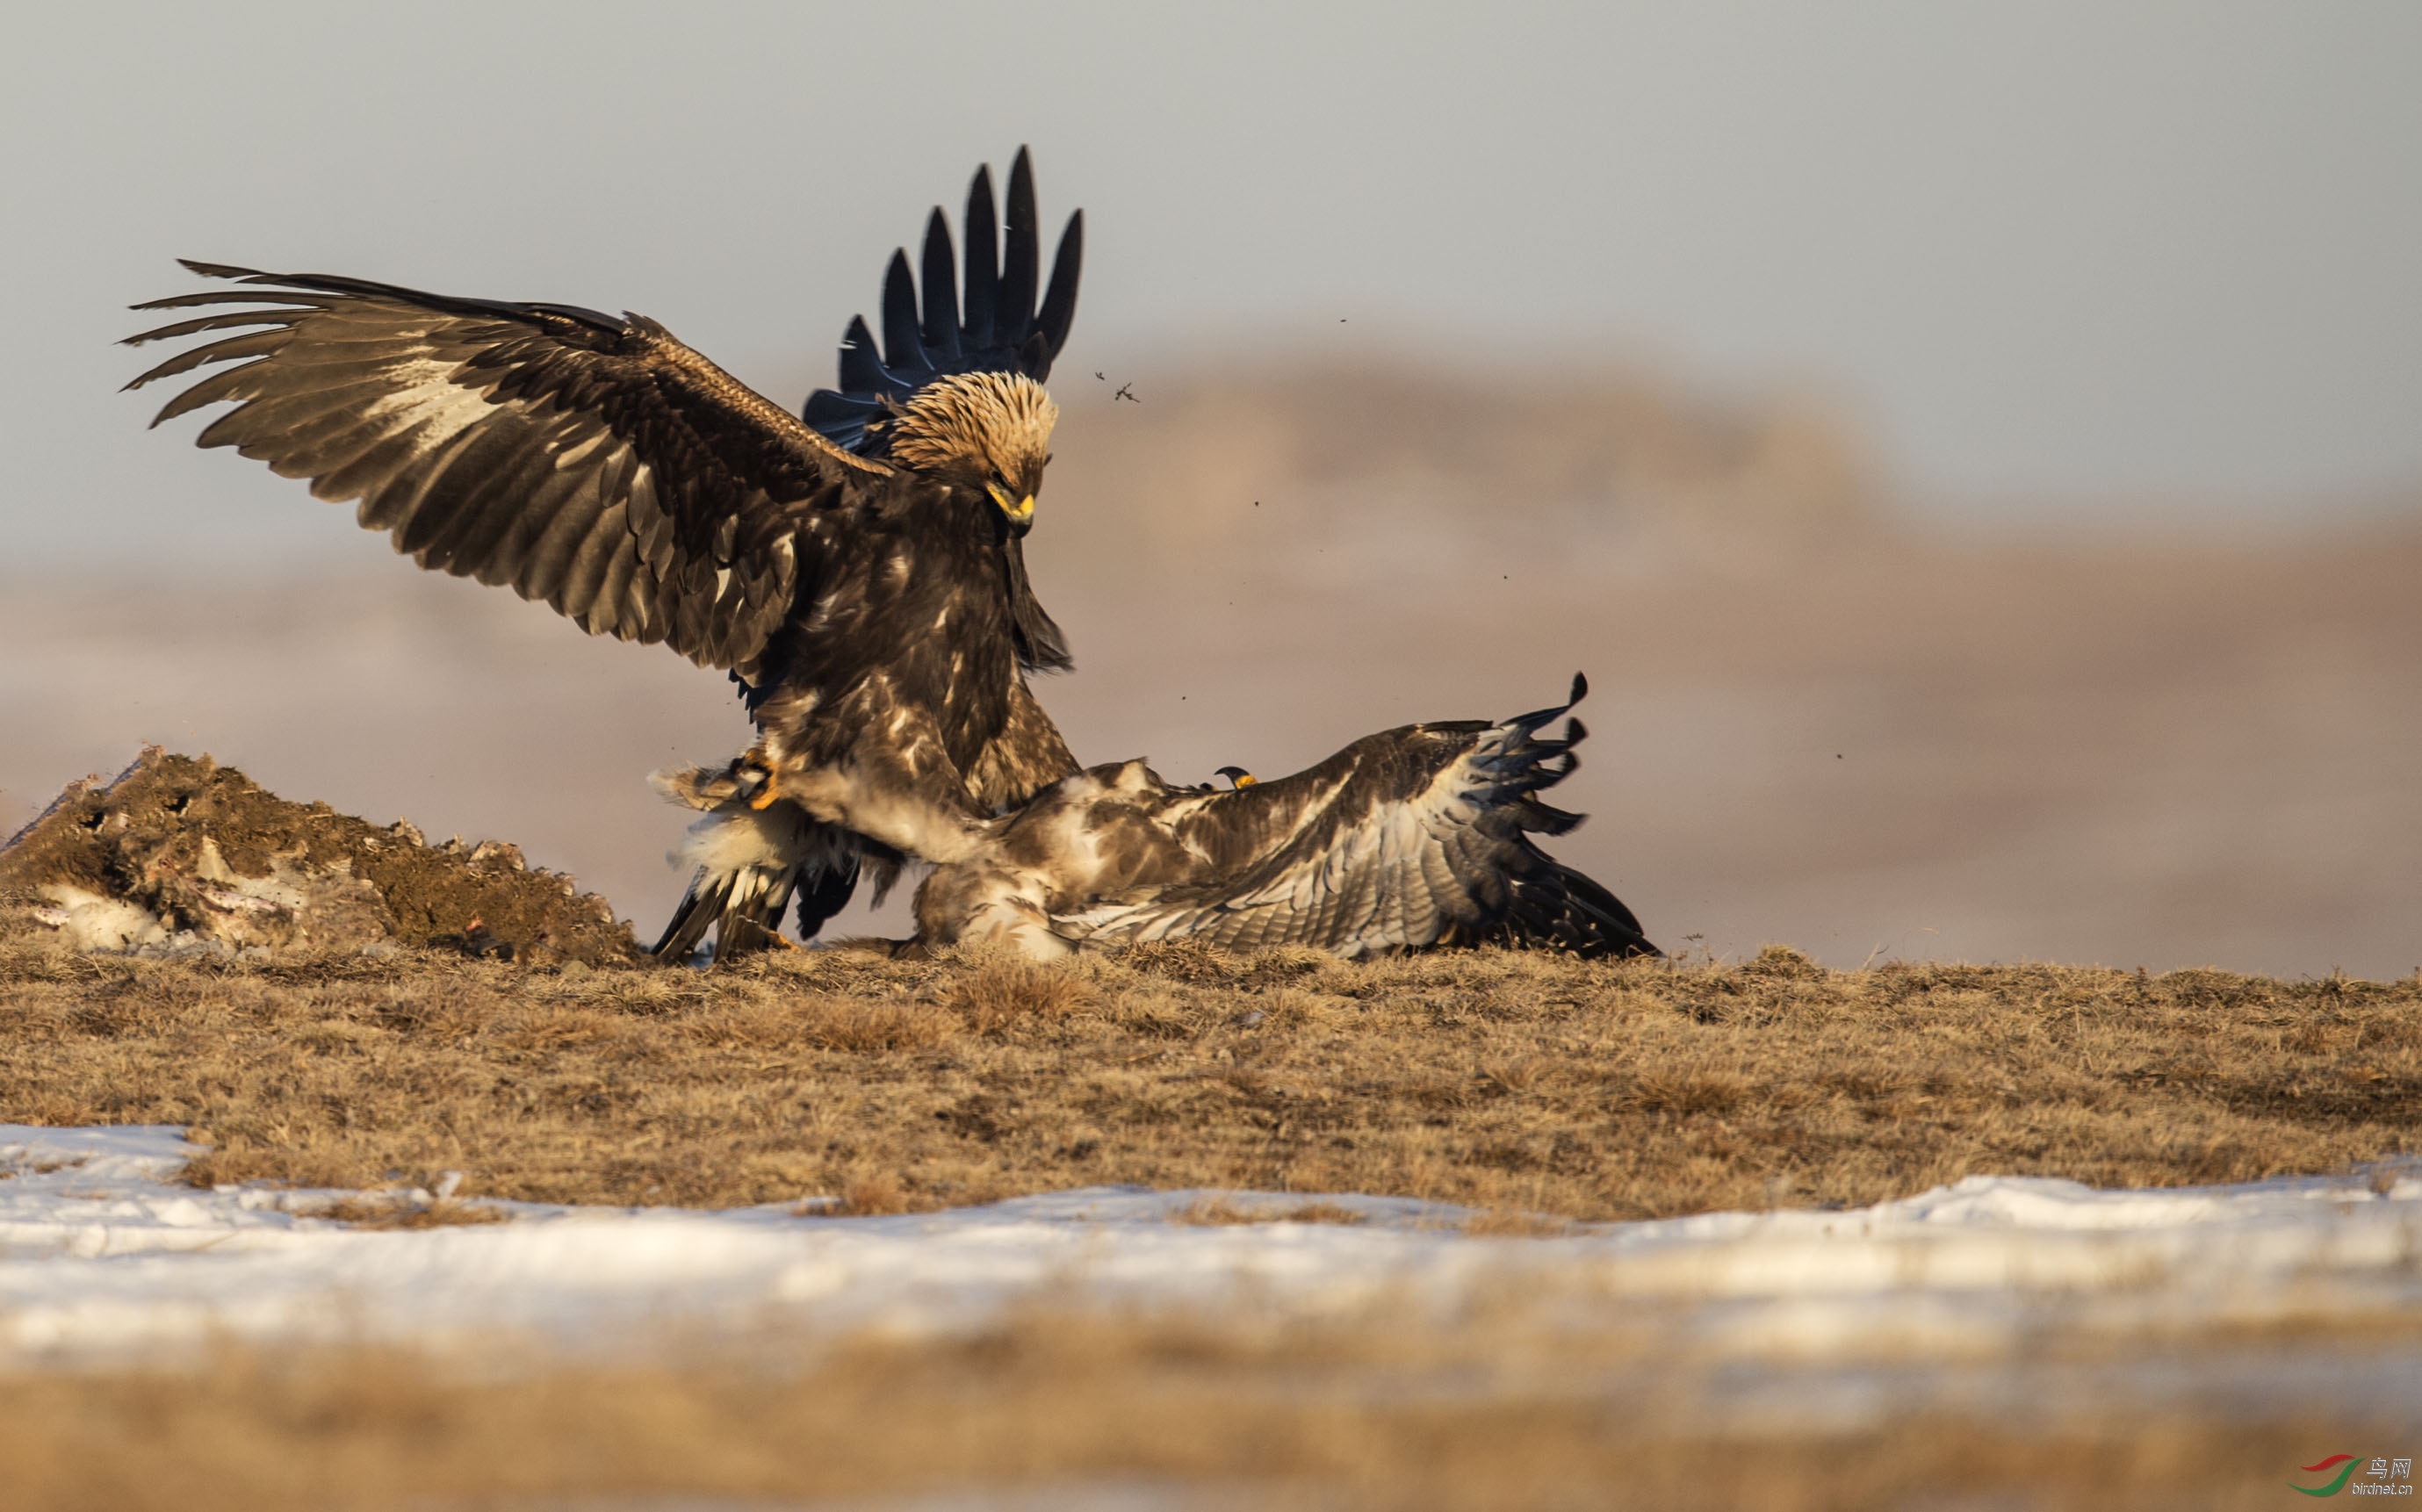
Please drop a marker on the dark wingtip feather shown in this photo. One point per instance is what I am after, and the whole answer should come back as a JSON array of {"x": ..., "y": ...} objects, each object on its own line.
[
  {"x": 941, "y": 287},
  {"x": 1022, "y": 252},
  {"x": 904, "y": 344},
  {"x": 1545, "y": 818},
  {"x": 1059, "y": 300},
  {"x": 248, "y": 345},
  {"x": 1614, "y": 918},
  {"x": 226, "y": 296},
  {"x": 225, "y": 270},
  {"x": 972, "y": 307},
  {"x": 1559, "y": 909},
  {"x": 861, "y": 371},
  {"x": 1537, "y": 719},
  {"x": 982, "y": 227}
]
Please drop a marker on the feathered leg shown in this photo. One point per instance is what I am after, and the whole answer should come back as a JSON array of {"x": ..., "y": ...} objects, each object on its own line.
[{"x": 749, "y": 862}]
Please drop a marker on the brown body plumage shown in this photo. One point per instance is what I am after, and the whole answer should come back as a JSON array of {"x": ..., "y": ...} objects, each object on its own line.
[{"x": 866, "y": 586}]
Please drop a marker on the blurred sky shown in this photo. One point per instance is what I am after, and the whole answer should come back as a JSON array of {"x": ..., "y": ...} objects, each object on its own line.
[{"x": 2055, "y": 256}]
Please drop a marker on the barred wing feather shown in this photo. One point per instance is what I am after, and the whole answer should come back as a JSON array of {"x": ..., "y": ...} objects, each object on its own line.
[
  {"x": 592, "y": 462},
  {"x": 1418, "y": 837}
]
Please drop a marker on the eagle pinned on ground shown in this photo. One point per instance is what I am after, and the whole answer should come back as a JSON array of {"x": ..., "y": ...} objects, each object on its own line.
[
  {"x": 1413, "y": 838},
  {"x": 861, "y": 571}
]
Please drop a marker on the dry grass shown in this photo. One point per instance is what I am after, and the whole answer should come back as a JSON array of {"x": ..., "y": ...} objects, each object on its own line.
[
  {"x": 1341, "y": 1416},
  {"x": 1512, "y": 1223},
  {"x": 1512, "y": 1083},
  {"x": 371, "y": 1213},
  {"x": 1540, "y": 1091},
  {"x": 1223, "y": 1212}
]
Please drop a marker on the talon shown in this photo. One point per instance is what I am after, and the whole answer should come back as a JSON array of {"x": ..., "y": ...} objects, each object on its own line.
[{"x": 763, "y": 798}]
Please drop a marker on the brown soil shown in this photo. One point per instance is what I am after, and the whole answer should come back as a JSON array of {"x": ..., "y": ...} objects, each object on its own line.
[
  {"x": 1521, "y": 1083},
  {"x": 218, "y": 861}
]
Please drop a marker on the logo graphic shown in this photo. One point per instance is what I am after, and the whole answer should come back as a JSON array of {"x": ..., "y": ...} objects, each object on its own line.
[{"x": 2387, "y": 1477}]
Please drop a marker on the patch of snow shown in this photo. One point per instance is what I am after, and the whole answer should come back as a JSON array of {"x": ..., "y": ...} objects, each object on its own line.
[{"x": 103, "y": 1253}]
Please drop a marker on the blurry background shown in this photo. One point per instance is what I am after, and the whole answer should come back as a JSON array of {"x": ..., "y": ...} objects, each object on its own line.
[{"x": 1973, "y": 454}]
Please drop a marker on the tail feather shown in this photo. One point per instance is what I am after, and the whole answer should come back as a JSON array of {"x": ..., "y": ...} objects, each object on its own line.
[
  {"x": 701, "y": 907},
  {"x": 747, "y": 864},
  {"x": 752, "y": 917}
]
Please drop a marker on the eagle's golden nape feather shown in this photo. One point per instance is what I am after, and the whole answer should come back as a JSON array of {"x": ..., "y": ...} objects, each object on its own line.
[
  {"x": 1416, "y": 838},
  {"x": 994, "y": 423}
]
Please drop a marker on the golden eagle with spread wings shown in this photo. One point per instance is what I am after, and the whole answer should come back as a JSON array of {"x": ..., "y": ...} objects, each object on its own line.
[{"x": 859, "y": 570}]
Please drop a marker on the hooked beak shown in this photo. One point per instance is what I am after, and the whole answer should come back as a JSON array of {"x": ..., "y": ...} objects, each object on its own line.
[{"x": 1021, "y": 512}]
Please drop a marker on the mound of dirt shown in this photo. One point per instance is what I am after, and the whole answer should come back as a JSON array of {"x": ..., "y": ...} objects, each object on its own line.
[{"x": 181, "y": 854}]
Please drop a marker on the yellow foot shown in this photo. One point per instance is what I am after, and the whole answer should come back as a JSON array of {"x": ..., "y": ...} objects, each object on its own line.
[{"x": 764, "y": 797}]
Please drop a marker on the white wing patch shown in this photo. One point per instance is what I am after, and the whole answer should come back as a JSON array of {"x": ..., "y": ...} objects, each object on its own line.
[{"x": 427, "y": 395}]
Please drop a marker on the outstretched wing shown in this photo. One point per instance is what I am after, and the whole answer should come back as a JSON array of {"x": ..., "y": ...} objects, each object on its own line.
[
  {"x": 996, "y": 327},
  {"x": 592, "y": 462},
  {"x": 1413, "y": 838}
]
